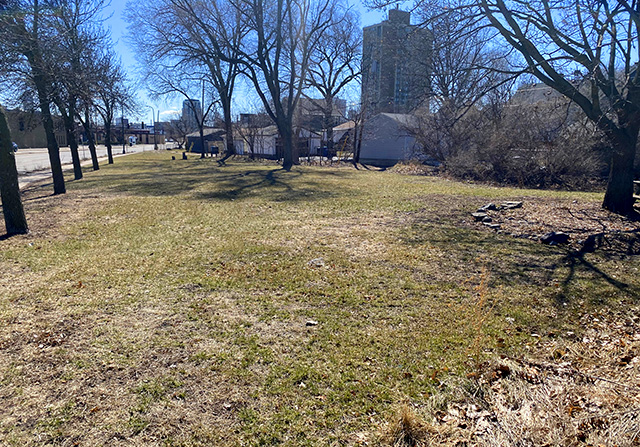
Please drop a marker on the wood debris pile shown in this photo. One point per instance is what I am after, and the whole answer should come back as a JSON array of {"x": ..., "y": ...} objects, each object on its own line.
[{"x": 587, "y": 225}]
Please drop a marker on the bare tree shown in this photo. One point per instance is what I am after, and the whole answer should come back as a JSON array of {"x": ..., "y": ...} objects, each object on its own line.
[
  {"x": 12, "y": 209},
  {"x": 112, "y": 91},
  {"x": 335, "y": 63},
  {"x": 90, "y": 76},
  {"x": 205, "y": 36},
  {"x": 14, "y": 217},
  {"x": 26, "y": 29},
  {"x": 184, "y": 81},
  {"x": 465, "y": 73},
  {"x": 598, "y": 39},
  {"x": 178, "y": 130},
  {"x": 85, "y": 118},
  {"x": 78, "y": 37},
  {"x": 276, "y": 53}
]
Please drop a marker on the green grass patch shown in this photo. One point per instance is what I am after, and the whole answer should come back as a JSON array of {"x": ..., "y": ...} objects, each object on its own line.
[{"x": 169, "y": 302}]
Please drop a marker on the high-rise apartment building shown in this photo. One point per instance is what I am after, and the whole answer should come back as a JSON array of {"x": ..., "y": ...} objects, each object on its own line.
[
  {"x": 191, "y": 114},
  {"x": 395, "y": 65}
]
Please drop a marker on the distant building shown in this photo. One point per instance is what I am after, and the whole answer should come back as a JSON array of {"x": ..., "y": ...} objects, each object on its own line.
[
  {"x": 545, "y": 100},
  {"x": 387, "y": 138},
  {"x": 395, "y": 73},
  {"x": 310, "y": 113},
  {"x": 27, "y": 129},
  {"x": 255, "y": 120},
  {"x": 214, "y": 140},
  {"x": 265, "y": 142},
  {"x": 191, "y": 114},
  {"x": 260, "y": 142}
]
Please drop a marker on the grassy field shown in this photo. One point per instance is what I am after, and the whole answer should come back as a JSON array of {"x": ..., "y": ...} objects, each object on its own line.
[{"x": 179, "y": 303}]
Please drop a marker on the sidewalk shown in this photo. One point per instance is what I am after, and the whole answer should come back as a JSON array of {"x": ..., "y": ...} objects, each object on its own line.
[{"x": 26, "y": 177}]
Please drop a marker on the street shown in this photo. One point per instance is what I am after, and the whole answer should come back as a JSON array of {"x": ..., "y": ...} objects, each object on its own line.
[
  {"x": 33, "y": 164},
  {"x": 29, "y": 160}
]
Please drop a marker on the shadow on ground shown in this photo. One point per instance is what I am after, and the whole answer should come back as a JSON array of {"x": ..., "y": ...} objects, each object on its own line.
[
  {"x": 514, "y": 261},
  {"x": 206, "y": 180}
]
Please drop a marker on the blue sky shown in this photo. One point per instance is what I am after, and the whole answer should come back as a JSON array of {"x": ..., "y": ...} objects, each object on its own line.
[{"x": 118, "y": 27}]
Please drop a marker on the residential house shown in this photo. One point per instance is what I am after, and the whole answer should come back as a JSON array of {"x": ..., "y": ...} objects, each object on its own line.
[
  {"x": 213, "y": 139},
  {"x": 387, "y": 139}
]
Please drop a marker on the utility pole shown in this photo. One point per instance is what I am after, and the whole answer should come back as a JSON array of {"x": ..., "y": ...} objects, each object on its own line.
[
  {"x": 124, "y": 140},
  {"x": 153, "y": 117}
]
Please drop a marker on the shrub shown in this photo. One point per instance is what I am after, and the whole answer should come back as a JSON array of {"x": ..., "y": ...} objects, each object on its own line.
[{"x": 540, "y": 145}]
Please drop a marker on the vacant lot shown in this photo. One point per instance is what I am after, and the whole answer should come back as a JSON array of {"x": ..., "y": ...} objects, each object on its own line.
[{"x": 177, "y": 302}]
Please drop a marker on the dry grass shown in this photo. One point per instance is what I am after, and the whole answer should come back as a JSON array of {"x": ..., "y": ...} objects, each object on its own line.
[
  {"x": 167, "y": 303},
  {"x": 406, "y": 431},
  {"x": 568, "y": 391}
]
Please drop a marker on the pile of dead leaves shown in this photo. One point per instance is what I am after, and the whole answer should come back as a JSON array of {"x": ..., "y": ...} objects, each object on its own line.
[{"x": 571, "y": 391}]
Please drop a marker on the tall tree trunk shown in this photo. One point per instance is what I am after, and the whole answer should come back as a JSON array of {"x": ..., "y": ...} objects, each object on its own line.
[
  {"x": 14, "y": 218},
  {"x": 619, "y": 195},
  {"x": 73, "y": 147},
  {"x": 358, "y": 131},
  {"x": 228, "y": 130},
  {"x": 52, "y": 144},
  {"x": 286, "y": 135},
  {"x": 72, "y": 138},
  {"x": 328, "y": 123},
  {"x": 107, "y": 137},
  {"x": 289, "y": 146},
  {"x": 201, "y": 130},
  {"x": 92, "y": 142}
]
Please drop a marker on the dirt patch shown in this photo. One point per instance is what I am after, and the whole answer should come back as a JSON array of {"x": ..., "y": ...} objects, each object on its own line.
[{"x": 588, "y": 225}]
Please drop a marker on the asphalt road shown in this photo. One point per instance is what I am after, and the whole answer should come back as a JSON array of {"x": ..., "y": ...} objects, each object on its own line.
[{"x": 33, "y": 164}]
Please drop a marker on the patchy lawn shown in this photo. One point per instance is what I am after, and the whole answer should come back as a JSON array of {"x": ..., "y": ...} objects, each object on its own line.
[{"x": 178, "y": 303}]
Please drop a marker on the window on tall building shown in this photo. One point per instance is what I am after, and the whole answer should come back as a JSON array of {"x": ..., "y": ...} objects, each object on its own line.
[{"x": 402, "y": 86}]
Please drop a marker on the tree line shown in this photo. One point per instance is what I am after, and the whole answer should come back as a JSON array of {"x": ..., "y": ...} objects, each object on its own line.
[
  {"x": 58, "y": 55},
  {"x": 585, "y": 50},
  {"x": 283, "y": 49}
]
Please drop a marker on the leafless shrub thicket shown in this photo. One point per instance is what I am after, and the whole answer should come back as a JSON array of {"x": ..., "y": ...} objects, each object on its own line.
[{"x": 532, "y": 145}]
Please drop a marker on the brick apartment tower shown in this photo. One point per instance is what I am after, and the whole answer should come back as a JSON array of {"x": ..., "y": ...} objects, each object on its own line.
[{"x": 395, "y": 68}]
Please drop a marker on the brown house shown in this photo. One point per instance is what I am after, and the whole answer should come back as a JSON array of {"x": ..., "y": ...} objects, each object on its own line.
[{"x": 27, "y": 130}]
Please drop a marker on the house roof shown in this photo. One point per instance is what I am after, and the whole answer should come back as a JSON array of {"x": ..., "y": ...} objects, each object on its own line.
[
  {"x": 401, "y": 118},
  {"x": 269, "y": 130},
  {"x": 207, "y": 132},
  {"x": 534, "y": 93},
  {"x": 346, "y": 126}
]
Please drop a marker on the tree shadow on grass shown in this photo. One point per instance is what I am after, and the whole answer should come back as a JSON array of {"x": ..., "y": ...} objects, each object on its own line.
[
  {"x": 147, "y": 178},
  {"x": 575, "y": 262},
  {"x": 512, "y": 261},
  {"x": 274, "y": 184},
  {"x": 202, "y": 180},
  {"x": 509, "y": 260}
]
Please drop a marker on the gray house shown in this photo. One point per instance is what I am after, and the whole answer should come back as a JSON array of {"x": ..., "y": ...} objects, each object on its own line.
[{"x": 386, "y": 139}]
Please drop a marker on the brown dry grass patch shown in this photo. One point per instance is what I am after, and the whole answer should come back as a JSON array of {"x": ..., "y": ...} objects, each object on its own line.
[{"x": 167, "y": 303}]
